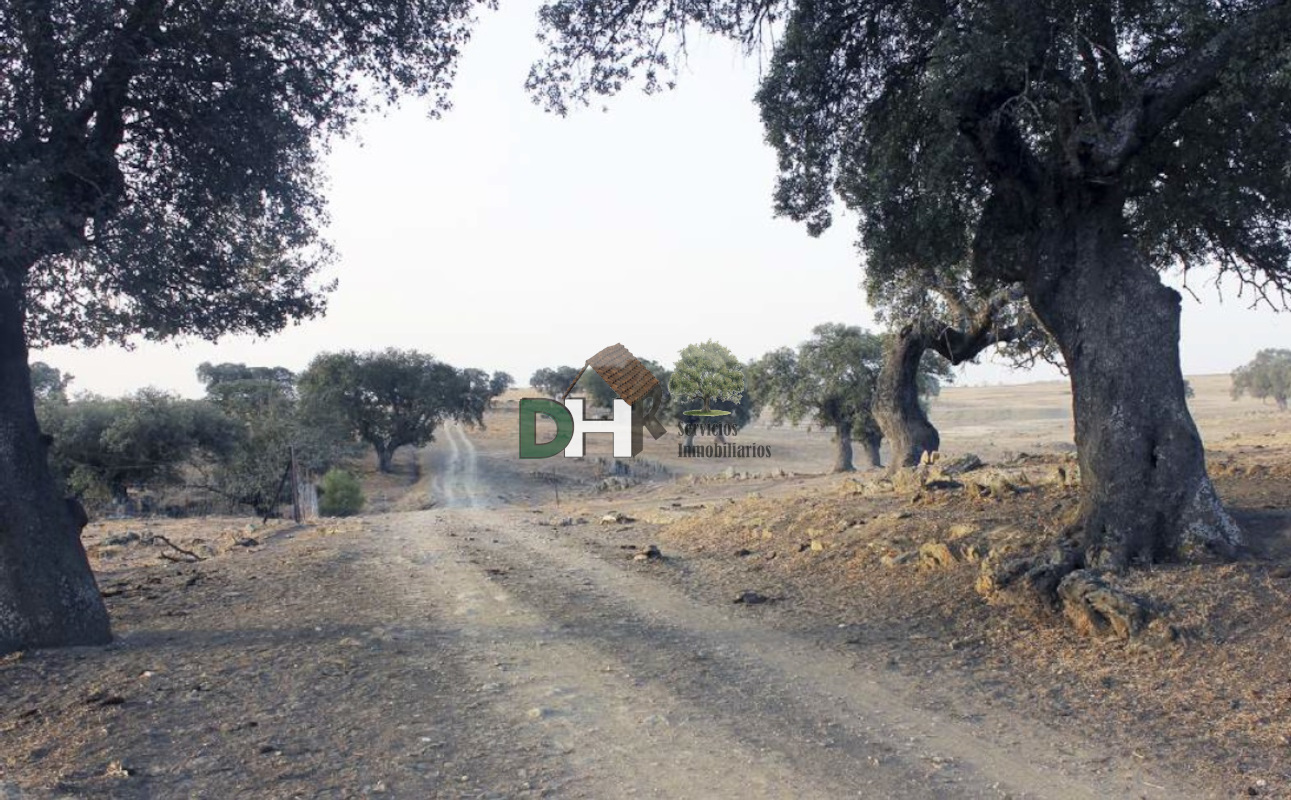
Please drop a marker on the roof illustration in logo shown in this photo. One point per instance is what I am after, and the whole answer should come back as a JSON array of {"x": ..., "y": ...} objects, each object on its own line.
[{"x": 628, "y": 377}]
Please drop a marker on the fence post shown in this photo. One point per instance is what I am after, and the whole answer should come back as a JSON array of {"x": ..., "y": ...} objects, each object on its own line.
[{"x": 295, "y": 488}]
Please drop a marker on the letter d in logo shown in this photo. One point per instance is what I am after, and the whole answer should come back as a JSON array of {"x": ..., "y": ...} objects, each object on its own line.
[{"x": 530, "y": 408}]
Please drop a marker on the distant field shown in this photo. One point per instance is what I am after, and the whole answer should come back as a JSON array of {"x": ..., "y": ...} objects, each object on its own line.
[{"x": 991, "y": 421}]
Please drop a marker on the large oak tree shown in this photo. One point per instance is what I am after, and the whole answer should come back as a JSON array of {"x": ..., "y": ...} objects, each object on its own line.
[
  {"x": 1081, "y": 145},
  {"x": 392, "y": 398},
  {"x": 159, "y": 175},
  {"x": 830, "y": 380}
]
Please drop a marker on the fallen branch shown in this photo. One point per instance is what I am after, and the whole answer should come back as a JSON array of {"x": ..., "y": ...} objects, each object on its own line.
[{"x": 158, "y": 537}]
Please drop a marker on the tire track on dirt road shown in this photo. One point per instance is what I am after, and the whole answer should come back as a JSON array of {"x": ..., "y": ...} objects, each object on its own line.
[
  {"x": 456, "y": 464},
  {"x": 722, "y": 688},
  {"x": 640, "y": 674}
]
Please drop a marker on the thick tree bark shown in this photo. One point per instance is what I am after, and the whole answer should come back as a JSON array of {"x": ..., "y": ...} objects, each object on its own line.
[
  {"x": 872, "y": 445},
  {"x": 48, "y": 596},
  {"x": 843, "y": 437},
  {"x": 385, "y": 457},
  {"x": 896, "y": 399},
  {"x": 1146, "y": 494}
]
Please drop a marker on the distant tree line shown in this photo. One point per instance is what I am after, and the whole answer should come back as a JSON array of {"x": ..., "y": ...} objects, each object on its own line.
[
  {"x": 235, "y": 442},
  {"x": 832, "y": 381}
]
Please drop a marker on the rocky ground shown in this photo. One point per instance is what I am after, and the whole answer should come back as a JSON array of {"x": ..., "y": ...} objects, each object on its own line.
[{"x": 751, "y": 632}]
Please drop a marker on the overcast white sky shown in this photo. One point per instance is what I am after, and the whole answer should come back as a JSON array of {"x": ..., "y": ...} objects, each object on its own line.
[{"x": 654, "y": 218}]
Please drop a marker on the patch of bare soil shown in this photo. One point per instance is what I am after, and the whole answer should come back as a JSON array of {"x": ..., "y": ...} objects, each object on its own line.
[
  {"x": 894, "y": 568},
  {"x": 292, "y": 667}
]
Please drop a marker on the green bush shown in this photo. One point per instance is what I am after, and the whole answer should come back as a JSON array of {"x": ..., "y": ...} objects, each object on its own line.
[{"x": 340, "y": 494}]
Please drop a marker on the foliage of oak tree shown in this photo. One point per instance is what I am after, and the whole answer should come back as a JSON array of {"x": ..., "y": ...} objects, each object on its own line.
[
  {"x": 262, "y": 404},
  {"x": 103, "y": 447},
  {"x": 390, "y": 398},
  {"x": 1268, "y": 375},
  {"x": 553, "y": 381},
  {"x": 829, "y": 380},
  {"x": 48, "y": 384},
  {"x": 707, "y": 372}
]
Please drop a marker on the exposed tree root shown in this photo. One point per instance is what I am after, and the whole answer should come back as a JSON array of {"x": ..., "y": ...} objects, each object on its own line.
[{"x": 1059, "y": 583}]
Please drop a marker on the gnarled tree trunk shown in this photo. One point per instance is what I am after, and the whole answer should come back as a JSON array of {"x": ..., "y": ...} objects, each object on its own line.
[
  {"x": 872, "y": 445},
  {"x": 48, "y": 596},
  {"x": 896, "y": 399},
  {"x": 1146, "y": 494},
  {"x": 385, "y": 456},
  {"x": 843, "y": 437}
]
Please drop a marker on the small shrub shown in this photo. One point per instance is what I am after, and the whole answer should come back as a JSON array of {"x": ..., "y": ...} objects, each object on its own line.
[{"x": 340, "y": 494}]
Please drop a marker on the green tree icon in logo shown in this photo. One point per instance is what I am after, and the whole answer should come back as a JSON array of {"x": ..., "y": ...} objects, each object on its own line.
[{"x": 710, "y": 372}]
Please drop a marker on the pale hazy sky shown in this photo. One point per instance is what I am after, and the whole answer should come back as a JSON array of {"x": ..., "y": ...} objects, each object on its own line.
[{"x": 653, "y": 218}]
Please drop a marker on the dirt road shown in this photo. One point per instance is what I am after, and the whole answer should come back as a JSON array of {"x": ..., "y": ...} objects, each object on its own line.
[
  {"x": 645, "y": 691},
  {"x": 470, "y": 651}
]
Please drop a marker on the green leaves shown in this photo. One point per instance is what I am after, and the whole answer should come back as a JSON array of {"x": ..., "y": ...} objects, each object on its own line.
[
  {"x": 1267, "y": 375},
  {"x": 707, "y": 372},
  {"x": 553, "y": 381},
  {"x": 829, "y": 379},
  {"x": 393, "y": 398},
  {"x": 958, "y": 131},
  {"x": 159, "y": 162},
  {"x": 104, "y": 446}
]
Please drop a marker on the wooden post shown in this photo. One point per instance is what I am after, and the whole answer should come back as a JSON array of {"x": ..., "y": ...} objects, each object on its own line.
[
  {"x": 286, "y": 473},
  {"x": 295, "y": 488}
]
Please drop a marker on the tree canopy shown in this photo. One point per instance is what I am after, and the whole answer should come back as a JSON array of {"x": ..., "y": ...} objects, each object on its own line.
[
  {"x": 553, "y": 381},
  {"x": 1268, "y": 375},
  {"x": 262, "y": 404},
  {"x": 160, "y": 161},
  {"x": 829, "y": 380},
  {"x": 391, "y": 398},
  {"x": 104, "y": 446},
  {"x": 707, "y": 372},
  {"x": 933, "y": 120},
  {"x": 49, "y": 384}
]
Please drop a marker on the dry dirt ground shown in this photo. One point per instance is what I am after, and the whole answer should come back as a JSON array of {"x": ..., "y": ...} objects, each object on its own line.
[{"x": 471, "y": 638}]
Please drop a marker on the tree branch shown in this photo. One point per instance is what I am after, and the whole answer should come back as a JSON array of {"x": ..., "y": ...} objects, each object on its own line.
[{"x": 1168, "y": 93}]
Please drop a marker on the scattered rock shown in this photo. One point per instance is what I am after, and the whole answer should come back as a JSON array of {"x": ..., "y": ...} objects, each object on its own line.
[
  {"x": 614, "y": 483},
  {"x": 743, "y": 551},
  {"x": 116, "y": 770},
  {"x": 616, "y": 518},
  {"x": 129, "y": 537},
  {"x": 897, "y": 559},
  {"x": 247, "y": 542},
  {"x": 750, "y": 597},
  {"x": 937, "y": 555},
  {"x": 817, "y": 544},
  {"x": 103, "y": 698},
  {"x": 650, "y": 552},
  {"x": 961, "y": 530}
]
